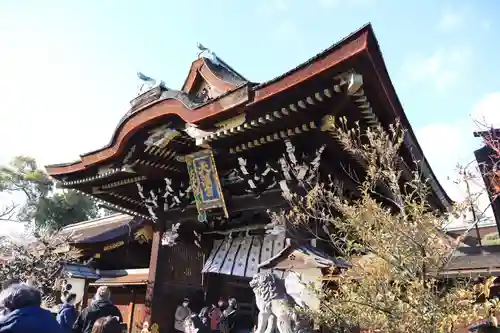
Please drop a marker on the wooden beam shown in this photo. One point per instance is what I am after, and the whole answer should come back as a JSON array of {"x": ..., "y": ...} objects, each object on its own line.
[
  {"x": 153, "y": 287},
  {"x": 131, "y": 306},
  {"x": 267, "y": 200}
]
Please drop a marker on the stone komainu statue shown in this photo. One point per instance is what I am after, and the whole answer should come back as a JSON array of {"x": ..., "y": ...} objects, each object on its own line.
[{"x": 276, "y": 306}]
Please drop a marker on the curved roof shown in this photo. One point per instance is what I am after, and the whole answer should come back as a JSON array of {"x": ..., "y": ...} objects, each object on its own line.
[
  {"x": 236, "y": 91},
  {"x": 102, "y": 229},
  {"x": 216, "y": 72},
  {"x": 182, "y": 105}
]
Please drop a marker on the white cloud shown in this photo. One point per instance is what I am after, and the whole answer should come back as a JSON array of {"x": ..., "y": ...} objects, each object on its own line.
[
  {"x": 451, "y": 21},
  {"x": 456, "y": 145},
  {"x": 442, "y": 69}
]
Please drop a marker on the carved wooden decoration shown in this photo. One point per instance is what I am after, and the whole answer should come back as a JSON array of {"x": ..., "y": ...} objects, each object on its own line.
[{"x": 203, "y": 93}]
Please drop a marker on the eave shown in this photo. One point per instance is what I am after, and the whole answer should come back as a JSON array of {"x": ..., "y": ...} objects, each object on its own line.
[
  {"x": 204, "y": 68},
  {"x": 490, "y": 132},
  {"x": 296, "y": 256},
  {"x": 99, "y": 235},
  {"x": 474, "y": 262},
  {"x": 338, "y": 53},
  {"x": 359, "y": 52},
  {"x": 122, "y": 277},
  {"x": 169, "y": 108}
]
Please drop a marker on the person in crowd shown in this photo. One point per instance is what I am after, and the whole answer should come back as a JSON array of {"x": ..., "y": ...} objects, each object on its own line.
[
  {"x": 66, "y": 316},
  {"x": 232, "y": 305},
  {"x": 181, "y": 313},
  {"x": 485, "y": 326},
  {"x": 204, "y": 317},
  {"x": 108, "y": 325},
  {"x": 100, "y": 307},
  {"x": 194, "y": 324},
  {"x": 229, "y": 322},
  {"x": 216, "y": 315},
  {"x": 189, "y": 324},
  {"x": 23, "y": 312},
  {"x": 7, "y": 283}
]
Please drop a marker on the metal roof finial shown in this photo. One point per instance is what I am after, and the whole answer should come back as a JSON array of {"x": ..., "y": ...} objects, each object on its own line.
[
  {"x": 147, "y": 83},
  {"x": 202, "y": 49},
  {"x": 207, "y": 53}
]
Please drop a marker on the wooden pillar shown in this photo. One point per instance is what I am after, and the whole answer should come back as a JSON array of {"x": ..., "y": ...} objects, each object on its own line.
[
  {"x": 153, "y": 288},
  {"x": 85, "y": 296},
  {"x": 131, "y": 309}
]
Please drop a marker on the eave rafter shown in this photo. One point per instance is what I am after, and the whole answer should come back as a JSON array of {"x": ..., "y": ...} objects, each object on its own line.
[
  {"x": 343, "y": 85},
  {"x": 126, "y": 198},
  {"x": 141, "y": 195},
  {"x": 116, "y": 207},
  {"x": 164, "y": 153},
  {"x": 167, "y": 151},
  {"x": 123, "y": 182},
  {"x": 347, "y": 80},
  {"x": 160, "y": 197},
  {"x": 158, "y": 165},
  {"x": 99, "y": 176},
  {"x": 364, "y": 105},
  {"x": 142, "y": 158},
  {"x": 276, "y": 136}
]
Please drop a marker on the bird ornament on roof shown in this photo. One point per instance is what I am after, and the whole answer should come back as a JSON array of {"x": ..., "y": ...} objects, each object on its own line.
[
  {"x": 206, "y": 53},
  {"x": 148, "y": 83}
]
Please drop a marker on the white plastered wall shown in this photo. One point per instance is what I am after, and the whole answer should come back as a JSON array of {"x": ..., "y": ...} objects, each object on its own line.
[{"x": 297, "y": 282}]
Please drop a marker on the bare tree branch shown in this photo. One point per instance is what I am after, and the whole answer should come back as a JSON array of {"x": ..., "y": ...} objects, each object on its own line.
[
  {"x": 37, "y": 258},
  {"x": 393, "y": 241},
  {"x": 7, "y": 213}
]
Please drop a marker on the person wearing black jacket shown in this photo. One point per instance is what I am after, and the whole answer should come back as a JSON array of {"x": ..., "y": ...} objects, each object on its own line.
[
  {"x": 195, "y": 324},
  {"x": 229, "y": 320},
  {"x": 100, "y": 307}
]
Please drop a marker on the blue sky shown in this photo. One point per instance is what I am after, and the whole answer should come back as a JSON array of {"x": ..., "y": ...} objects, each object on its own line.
[{"x": 68, "y": 68}]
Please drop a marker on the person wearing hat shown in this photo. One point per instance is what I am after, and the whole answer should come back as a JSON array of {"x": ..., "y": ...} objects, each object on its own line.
[{"x": 181, "y": 314}]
